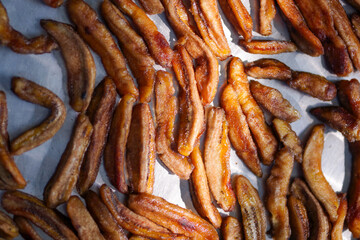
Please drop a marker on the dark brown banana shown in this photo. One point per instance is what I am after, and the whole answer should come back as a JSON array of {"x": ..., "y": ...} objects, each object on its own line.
[
  {"x": 8, "y": 228},
  {"x": 26, "y": 230}
]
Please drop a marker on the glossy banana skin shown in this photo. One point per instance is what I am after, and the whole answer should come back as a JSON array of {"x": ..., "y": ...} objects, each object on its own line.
[
  {"x": 10, "y": 176},
  {"x": 102, "y": 216},
  {"x": 80, "y": 65},
  {"x": 50, "y": 221},
  {"x": 252, "y": 209},
  {"x": 81, "y": 220},
  {"x": 132, "y": 222},
  {"x": 26, "y": 230},
  {"x": 166, "y": 108},
  {"x": 34, "y": 93},
  {"x": 18, "y": 42},
  {"x": 320, "y": 227},
  {"x": 8, "y": 228},
  {"x": 171, "y": 216},
  {"x": 100, "y": 112},
  {"x": 58, "y": 189}
]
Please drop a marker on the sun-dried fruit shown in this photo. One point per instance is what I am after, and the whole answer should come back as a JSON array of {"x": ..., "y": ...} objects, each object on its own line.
[
  {"x": 18, "y": 42},
  {"x": 261, "y": 132},
  {"x": 217, "y": 159},
  {"x": 192, "y": 116},
  {"x": 100, "y": 112},
  {"x": 158, "y": 46},
  {"x": 166, "y": 110},
  {"x": 53, "y": 3},
  {"x": 59, "y": 188},
  {"x": 277, "y": 186},
  {"x": 152, "y": 6},
  {"x": 102, "y": 216},
  {"x": 34, "y": 93},
  {"x": 239, "y": 132},
  {"x": 268, "y": 68},
  {"x": 200, "y": 192},
  {"x": 231, "y": 229},
  {"x": 33, "y": 209},
  {"x": 355, "y": 21},
  {"x": 315, "y": 85},
  {"x": 267, "y": 46},
  {"x": 299, "y": 221},
  {"x": 267, "y": 13},
  {"x": 8, "y": 228},
  {"x": 178, "y": 220},
  {"x": 27, "y": 231},
  {"x": 289, "y": 138},
  {"x": 252, "y": 209},
  {"x": 273, "y": 101},
  {"x": 100, "y": 40},
  {"x": 339, "y": 119},
  {"x": 80, "y": 65},
  {"x": 349, "y": 95},
  {"x": 338, "y": 225}
]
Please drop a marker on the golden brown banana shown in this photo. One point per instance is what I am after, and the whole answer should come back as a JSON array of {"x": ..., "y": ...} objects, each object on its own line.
[
  {"x": 82, "y": 221},
  {"x": 152, "y": 7},
  {"x": 349, "y": 95},
  {"x": 252, "y": 209},
  {"x": 173, "y": 217},
  {"x": 58, "y": 189},
  {"x": 8, "y": 228},
  {"x": 100, "y": 40},
  {"x": 27, "y": 231},
  {"x": 34, "y": 93},
  {"x": 239, "y": 132},
  {"x": 273, "y": 101},
  {"x": 18, "y": 42},
  {"x": 277, "y": 186},
  {"x": 131, "y": 221},
  {"x": 268, "y": 68},
  {"x": 100, "y": 112},
  {"x": 81, "y": 70},
  {"x": 166, "y": 110},
  {"x": 33, "y": 209},
  {"x": 267, "y": 46},
  {"x": 338, "y": 225},
  {"x": 216, "y": 159},
  {"x": 320, "y": 226},
  {"x": 114, "y": 153},
  {"x": 289, "y": 138},
  {"x": 140, "y": 150},
  {"x": 102, "y": 216},
  {"x": 299, "y": 221},
  {"x": 267, "y": 13},
  {"x": 231, "y": 229},
  {"x": 355, "y": 21},
  {"x": 261, "y": 132},
  {"x": 192, "y": 116}
]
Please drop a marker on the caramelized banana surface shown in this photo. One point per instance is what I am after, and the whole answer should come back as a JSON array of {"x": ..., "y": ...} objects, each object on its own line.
[
  {"x": 200, "y": 192},
  {"x": 80, "y": 65},
  {"x": 239, "y": 132},
  {"x": 166, "y": 110},
  {"x": 158, "y": 46},
  {"x": 267, "y": 46},
  {"x": 173, "y": 217},
  {"x": 58, "y": 189},
  {"x": 320, "y": 226},
  {"x": 152, "y": 6},
  {"x": 50, "y": 221},
  {"x": 18, "y": 42},
  {"x": 192, "y": 116},
  {"x": 349, "y": 95},
  {"x": 355, "y": 21},
  {"x": 131, "y": 221},
  {"x": 277, "y": 186},
  {"x": 103, "y": 218},
  {"x": 299, "y": 221},
  {"x": 26, "y": 230},
  {"x": 8, "y": 228},
  {"x": 339, "y": 119},
  {"x": 252, "y": 209},
  {"x": 268, "y": 68},
  {"x": 231, "y": 229},
  {"x": 261, "y": 132},
  {"x": 140, "y": 149},
  {"x": 266, "y": 15},
  {"x": 100, "y": 40},
  {"x": 100, "y": 112},
  {"x": 82, "y": 221},
  {"x": 34, "y": 93},
  {"x": 314, "y": 85},
  {"x": 273, "y": 101},
  {"x": 217, "y": 159}
]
